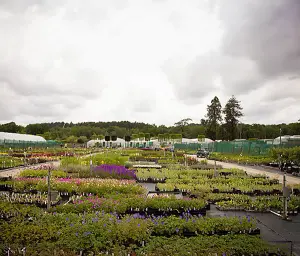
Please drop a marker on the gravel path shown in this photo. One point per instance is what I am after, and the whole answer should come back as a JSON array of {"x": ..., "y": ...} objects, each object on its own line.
[
  {"x": 15, "y": 171},
  {"x": 270, "y": 172},
  {"x": 260, "y": 170}
]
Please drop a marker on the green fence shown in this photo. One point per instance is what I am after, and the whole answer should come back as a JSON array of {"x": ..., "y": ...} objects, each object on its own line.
[
  {"x": 27, "y": 144},
  {"x": 190, "y": 146},
  {"x": 237, "y": 147},
  {"x": 248, "y": 147}
]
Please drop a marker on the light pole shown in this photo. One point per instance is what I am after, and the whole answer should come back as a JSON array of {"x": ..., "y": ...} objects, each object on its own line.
[
  {"x": 49, "y": 189},
  {"x": 280, "y": 137}
]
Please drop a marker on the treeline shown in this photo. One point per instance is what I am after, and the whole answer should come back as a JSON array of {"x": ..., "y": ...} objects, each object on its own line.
[
  {"x": 221, "y": 123},
  {"x": 92, "y": 130}
]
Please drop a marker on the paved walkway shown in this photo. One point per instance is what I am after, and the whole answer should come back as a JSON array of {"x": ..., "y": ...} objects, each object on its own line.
[
  {"x": 260, "y": 170},
  {"x": 16, "y": 171},
  {"x": 271, "y": 173}
]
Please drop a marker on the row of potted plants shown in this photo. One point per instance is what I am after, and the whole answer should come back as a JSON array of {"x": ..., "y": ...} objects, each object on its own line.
[
  {"x": 97, "y": 159},
  {"x": 248, "y": 189},
  {"x": 259, "y": 204},
  {"x": 100, "y": 232},
  {"x": 211, "y": 246},
  {"x": 185, "y": 173},
  {"x": 76, "y": 186},
  {"x": 241, "y": 159},
  {"x": 28, "y": 199},
  {"x": 135, "y": 204},
  {"x": 221, "y": 180},
  {"x": 29, "y": 173}
]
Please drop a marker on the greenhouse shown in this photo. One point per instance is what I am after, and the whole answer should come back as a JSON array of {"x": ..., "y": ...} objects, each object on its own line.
[
  {"x": 122, "y": 143},
  {"x": 17, "y": 140},
  {"x": 102, "y": 143},
  {"x": 20, "y": 137}
]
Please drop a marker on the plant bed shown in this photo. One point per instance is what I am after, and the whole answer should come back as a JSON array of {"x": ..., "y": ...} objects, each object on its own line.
[
  {"x": 220, "y": 208},
  {"x": 5, "y": 178},
  {"x": 151, "y": 180},
  {"x": 291, "y": 213},
  {"x": 187, "y": 233},
  {"x": 6, "y": 187},
  {"x": 159, "y": 212},
  {"x": 296, "y": 191}
]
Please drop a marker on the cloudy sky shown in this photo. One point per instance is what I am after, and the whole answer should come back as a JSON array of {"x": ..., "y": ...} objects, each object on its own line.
[{"x": 156, "y": 61}]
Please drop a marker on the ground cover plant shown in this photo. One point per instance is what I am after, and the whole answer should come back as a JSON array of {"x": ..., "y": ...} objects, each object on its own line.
[
  {"x": 242, "y": 159},
  {"x": 230, "y": 189},
  {"x": 102, "y": 209},
  {"x": 45, "y": 233},
  {"x": 133, "y": 204},
  {"x": 75, "y": 186},
  {"x": 9, "y": 161},
  {"x": 97, "y": 159}
]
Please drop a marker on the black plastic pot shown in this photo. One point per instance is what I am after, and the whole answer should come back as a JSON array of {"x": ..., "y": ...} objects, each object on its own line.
[
  {"x": 296, "y": 191},
  {"x": 5, "y": 187}
]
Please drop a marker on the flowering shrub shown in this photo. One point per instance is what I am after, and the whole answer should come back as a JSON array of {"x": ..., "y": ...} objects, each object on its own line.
[
  {"x": 242, "y": 159},
  {"x": 95, "y": 186},
  {"x": 41, "y": 173},
  {"x": 113, "y": 171},
  {"x": 122, "y": 205},
  {"x": 99, "y": 233},
  {"x": 98, "y": 159}
]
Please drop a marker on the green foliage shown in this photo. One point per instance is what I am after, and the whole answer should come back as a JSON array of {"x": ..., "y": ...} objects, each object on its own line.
[
  {"x": 242, "y": 159},
  {"x": 121, "y": 204},
  {"x": 286, "y": 154},
  {"x": 232, "y": 112},
  {"x": 214, "y": 117},
  {"x": 72, "y": 139},
  {"x": 8, "y": 161},
  {"x": 204, "y": 246},
  {"x": 95, "y": 186},
  {"x": 201, "y": 138},
  {"x": 82, "y": 139},
  {"x": 97, "y": 159},
  {"x": 100, "y": 232},
  {"x": 42, "y": 173}
]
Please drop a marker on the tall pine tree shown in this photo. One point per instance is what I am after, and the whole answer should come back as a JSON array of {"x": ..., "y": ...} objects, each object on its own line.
[
  {"x": 232, "y": 112},
  {"x": 214, "y": 117}
]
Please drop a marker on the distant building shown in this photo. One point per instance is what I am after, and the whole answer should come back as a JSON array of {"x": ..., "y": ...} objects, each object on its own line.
[
  {"x": 18, "y": 137},
  {"x": 287, "y": 139},
  {"x": 102, "y": 143}
]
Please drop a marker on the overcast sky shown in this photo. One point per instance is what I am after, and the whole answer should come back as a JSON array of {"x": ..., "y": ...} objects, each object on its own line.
[{"x": 155, "y": 61}]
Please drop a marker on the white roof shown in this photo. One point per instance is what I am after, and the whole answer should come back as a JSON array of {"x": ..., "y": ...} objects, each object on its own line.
[
  {"x": 286, "y": 138},
  {"x": 119, "y": 140},
  {"x": 205, "y": 140},
  {"x": 21, "y": 137}
]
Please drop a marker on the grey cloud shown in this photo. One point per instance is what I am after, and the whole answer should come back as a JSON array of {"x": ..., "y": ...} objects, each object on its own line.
[
  {"x": 143, "y": 106},
  {"x": 13, "y": 104},
  {"x": 40, "y": 77},
  {"x": 193, "y": 80},
  {"x": 264, "y": 31},
  {"x": 284, "y": 89},
  {"x": 260, "y": 44}
]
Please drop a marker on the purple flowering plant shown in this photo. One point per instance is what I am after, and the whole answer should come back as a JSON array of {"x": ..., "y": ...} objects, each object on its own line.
[{"x": 114, "y": 171}]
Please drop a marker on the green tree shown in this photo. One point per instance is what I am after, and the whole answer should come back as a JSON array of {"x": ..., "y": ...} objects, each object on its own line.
[
  {"x": 232, "y": 112},
  {"x": 201, "y": 138},
  {"x": 183, "y": 123},
  {"x": 36, "y": 128},
  {"x": 72, "y": 139},
  {"x": 214, "y": 117},
  {"x": 82, "y": 139},
  {"x": 11, "y": 127}
]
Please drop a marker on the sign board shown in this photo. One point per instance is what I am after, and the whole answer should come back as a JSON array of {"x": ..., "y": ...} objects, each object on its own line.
[
  {"x": 53, "y": 195},
  {"x": 286, "y": 192}
]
